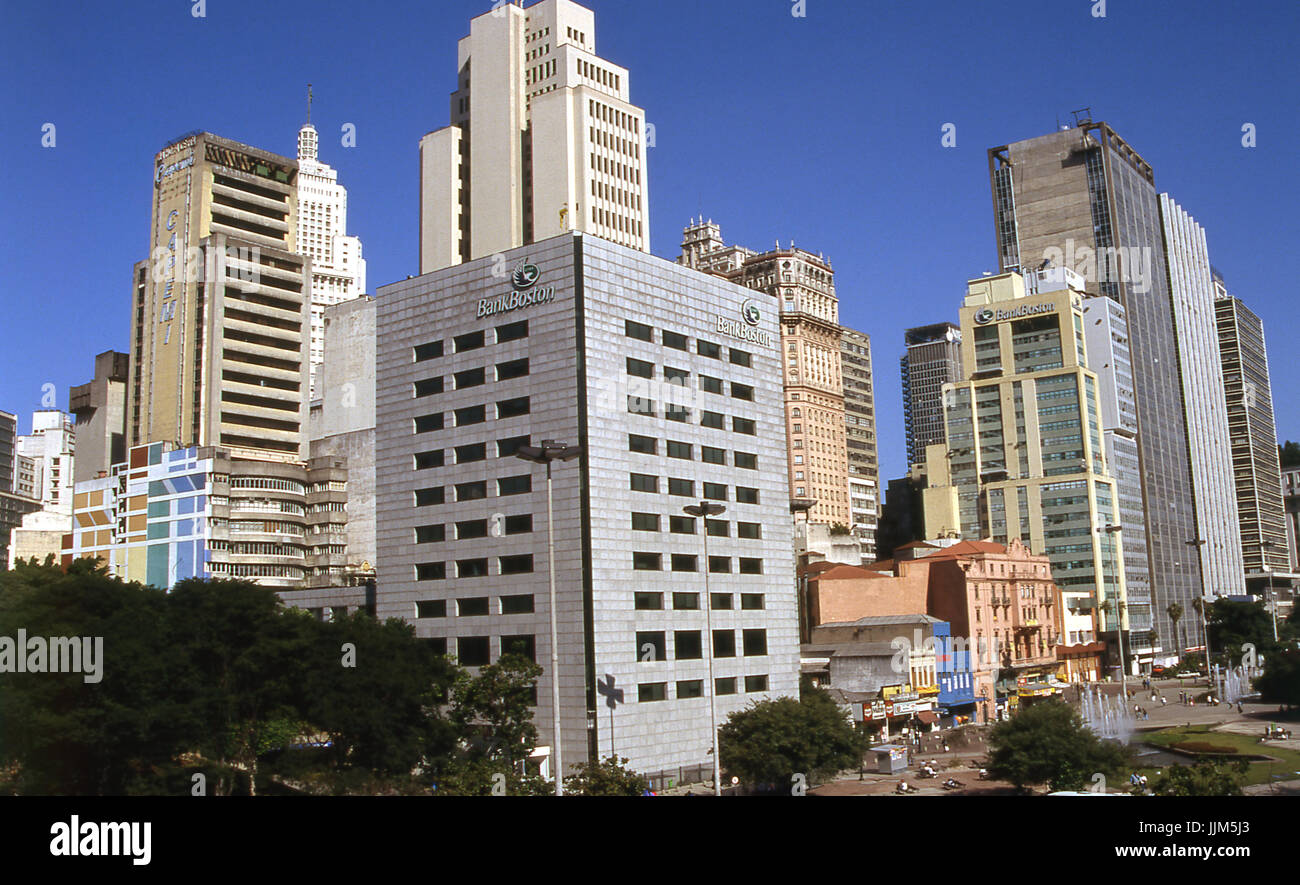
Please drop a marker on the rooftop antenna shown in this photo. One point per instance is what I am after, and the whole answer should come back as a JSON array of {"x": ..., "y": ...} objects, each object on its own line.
[
  {"x": 1082, "y": 116},
  {"x": 308, "y": 104}
]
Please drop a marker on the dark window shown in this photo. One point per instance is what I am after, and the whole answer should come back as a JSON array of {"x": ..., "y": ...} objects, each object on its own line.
[
  {"x": 724, "y": 643},
  {"x": 639, "y": 405},
  {"x": 691, "y": 688},
  {"x": 744, "y": 425},
  {"x": 681, "y": 525},
  {"x": 755, "y": 643},
  {"x": 645, "y": 522},
  {"x": 683, "y": 487},
  {"x": 426, "y": 460},
  {"x": 517, "y": 605},
  {"x": 726, "y": 685},
  {"x": 720, "y": 565},
  {"x": 686, "y": 601},
  {"x": 741, "y": 358},
  {"x": 519, "y": 525},
  {"x": 439, "y": 647},
  {"x": 470, "y": 378},
  {"x": 512, "y": 408},
  {"x": 684, "y": 562},
  {"x": 431, "y": 571},
  {"x": 709, "y": 349},
  {"x": 687, "y": 645},
  {"x": 751, "y": 566},
  {"x": 755, "y": 683},
  {"x": 524, "y": 646},
  {"x": 751, "y": 601},
  {"x": 745, "y": 495},
  {"x": 649, "y": 601},
  {"x": 651, "y": 646},
  {"x": 506, "y": 448},
  {"x": 716, "y": 420},
  {"x": 742, "y": 391},
  {"x": 429, "y": 351},
  {"x": 473, "y": 651},
  {"x": 471, "y": 607},
  {"x": 426, "y": 423},
  {"x": 721, "y": 602},
  {"x": 679, "y": 377},
  {"x": 646, "y": 445},
  {"x": 652, "y": 691},
  {"x": 472, "y": 452},
  {"x": 469, "y": 341},
  {"x": 471, "y": 415},
  {"x": 429, "y": 497},
  {"x": 638, "y": 330},
  {"x": 431, "y": 608},
  {"x": 471, "y": 528},
  {"x": 715, "y": 491},
  {"x": 674, "y": 412},
  {"x": 675, "y": 341},
  {"x": 750, "y": 530},
  {"x": 428, "y": 534},
  {"x": 640, "y": 368},
  {"x": 471, "y": 568},
  {"x": 515, "y": 485},
  {"x": 717, "y": 528},
  {"x": 471, "y": 491},
  {"x": 711, "y": 455},
  {"x": 428, "y": 387},
  {"x": 682, "y": 450},
  {"x": 647, "y": 561},
  {"x": 746, "y": 461},
  {"x": 642, "y": 482},
  {"x": 512, "y": 331},
  {"x": 521, "y": 564},
  {"x": 710, "y": 384}
]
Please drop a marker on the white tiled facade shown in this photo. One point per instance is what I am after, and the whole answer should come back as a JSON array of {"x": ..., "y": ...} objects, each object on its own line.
[{"x": 583, "y": 364}]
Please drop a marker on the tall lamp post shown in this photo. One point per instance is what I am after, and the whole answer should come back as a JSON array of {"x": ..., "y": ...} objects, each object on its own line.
[
  {"x": 704, "y": 510},
  {"x": 1113, "y": 530},
  {"x": 1272, "y": 594},
  {"x": 549, "y": 451},
  {"x": 1205, "y": 599}
]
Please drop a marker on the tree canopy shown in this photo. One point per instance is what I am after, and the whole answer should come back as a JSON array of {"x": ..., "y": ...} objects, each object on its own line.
[{"x": 1047, "y": 743}]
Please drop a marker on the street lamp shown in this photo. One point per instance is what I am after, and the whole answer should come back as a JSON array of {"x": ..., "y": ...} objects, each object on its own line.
[
  {"x": 1272, "y": 594},
  {"x": 1198, "y": 543},
  {"x": 1112, "y": 530},
  {"x": 704, "y": 510},
  {"x": 549, "y": 451}
]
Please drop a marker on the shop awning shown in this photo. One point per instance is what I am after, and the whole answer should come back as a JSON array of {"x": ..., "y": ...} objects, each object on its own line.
[{"x": 927, "y": 717}]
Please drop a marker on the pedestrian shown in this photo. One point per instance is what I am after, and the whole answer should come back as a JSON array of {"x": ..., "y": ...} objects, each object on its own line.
[{"x": 1239, "y": 708}]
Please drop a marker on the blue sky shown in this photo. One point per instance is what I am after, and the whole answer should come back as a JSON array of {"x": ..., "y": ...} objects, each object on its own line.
[{"x": 824, "y": 130}]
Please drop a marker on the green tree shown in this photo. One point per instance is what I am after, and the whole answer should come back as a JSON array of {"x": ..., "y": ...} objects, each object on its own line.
[
  {"x": 1047, "y": 743},
  {"x": 1175, "y": 612},
  {"x": 1280, "y": 683},
  {"x": 1234, "y": 623},
  {"x": 771, "y": 741},
  {"x": 1207, "y": 777},
  {"x": 608, "y": 777},
  {"x": 1289, "y": 454}
]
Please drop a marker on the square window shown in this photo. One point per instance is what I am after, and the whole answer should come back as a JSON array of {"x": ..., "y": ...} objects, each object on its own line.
[
  {"x": 470, "y": 453},
  {"x": 513, "y": 369},
  {"x": 745, "y": 495},
  {"x": 652, "y": 691},
  {"x": 726, "y": 685},
  {"x": 468, "y": 341},
  {"x": 521, "y": 564},
  {"x": 431, "y": 608},
  {"x": 741, "y": 358},
  {"x": 755, "y": 643},
  {"x": 473, "y": 651},
  {"x": 431, "y": 571},
  {"x": 427, "y": 460},
  {"x": 751, "y": 565},
  {"x": 639, "y": 405},
  {"x": 471, "y": 528},
  {"x": 472, "y": 607},
  {"x": 645, "y": 522},
  {"x": 684, "y": 451},
  {"x": 687, "y": 645},
  {"x": 427, "y": 423},
  {"x": 651, "y": 646},
  {"x": 710, "y": 384},
  {"x": 430, "y": 497},
  {"x": 716, "y": 420},
  {"x": 691, "y": 688},
  {"x": 515, "y": 485},
  {"x": 648, "y": 602},
  {"x": 679, "y": 377},
  {"x": 647, "y": 562},
  {"x": 521, "y": 604},
  {"x": 721, "y": 601},
  {"x": 640, "y": 368},
  {"x": 428, "y": 387},
  {"x": 429, "y": 351},
  {"x": 506, "y": 448},
  {"x": 469, "y": 378},
  {"x": 750, "y": 530},
  {"x": 429, "y": 534},
  {"x": 742, "y": 391},
  {"x": 638, "y": 330},
  {"x": 711, "y": 455},
  {"x": 675, "y": 341},
  {"x": 678, "y": 413},
  {"x": 747, "y": 461},
  {"x": 717, "y": 528},
  {"x": 755, "y": 683},
  {"x": 724, "y": 643},
  {"x": 642, "y": 482},
  {"x": 471, "y": 415},
  {"x": 686, "y": 602},
  {"x": 513, "y": 408},
  {"x": 681, "y": 525},
  {"x": 682, "y": 487},
  {"x": 684, "y": 562},
  {"x": 646, "y": 445},
  {"x": 709, "y": 349},
  {"x": 744, "y": 425},
  {"x": 471, "y": 491},
  {"x": 512, "y": 331},
  {"x": 715, "y": 491},
  {"x": 522, "y": 646},
  {"x": 519, "y": 525},
  {"x": 472, "y": 568},
  {"x": 720, "y": 565}
]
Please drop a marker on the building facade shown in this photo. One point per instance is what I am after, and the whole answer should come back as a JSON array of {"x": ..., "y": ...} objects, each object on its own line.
[
  {"x": 1291, "y": 506},
  {"x": 51, "y": 450},
  {"x": 99, "y": 407},
  {"x": 543, "y": 138},
  {"x": 931, "y": 360},
  {"x": 664, "y": 382},
  {"x": 860, "y": 438},
  {"x": 8, "y": 450}
]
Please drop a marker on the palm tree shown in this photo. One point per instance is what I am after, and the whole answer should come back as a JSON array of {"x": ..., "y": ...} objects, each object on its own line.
[{"x": 1175, "y": 612}]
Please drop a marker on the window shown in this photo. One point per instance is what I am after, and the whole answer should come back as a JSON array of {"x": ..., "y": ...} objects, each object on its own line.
[
  {"x": 751, "y": 566},
  {"x": 471, "y": 452},
  {"x": 745, "y": 495},
  {"x": 674, "y": 412},
  {"x": 746, "y": 461},
  {"x": 512, "y": 331},
  {"x": 642, "y": 482},
  {"x": 429, "y": 534},
  {"x": 471, "y": 415},
  {"x": 640, "y": 368},
  {"x": 471, "y": 491},
  {"x": 428, "y": 387},
  {"x": 647, "y": 602},
  {"x": 692, "y": 688},
  {"x": 679, "y": 377},
  {"x": 472, "y": 568},
  {"x": 715, "y": 491},
  {"x": 471, "y": 528},
  {"x": 744, "y": 425},
  {"x": 709, "y": 349},
  {"x": 720, "y": 565},
  {"x": 646, "y": 445},
  {"x": 523, "y": 646},
  {"x": 519, "y": 525},
  {"x": 687, "y": 645},
  {"x": 751, "y": 530},
  {"x": 473, "y": 651},
  {"x": 521, "y": 604},
  {"x": 430, "y": 497},
  {"x": 427, "y": 423},
  {"x": 512, "y": 369},
  {"x": 424, "y": 352},
  {"x": 638, "y": 330},
  {"x": 711, "y": 455},
  {"x": 687, "y": 602},
  {"x": 740, "y": 358},
  {"x": 717, "y": 528},
  {"x": 752, "y": 601},
  {"x": 651, "y": 646},
  {"x": 721, "y": 601},
  {"x": 506, "y": 448},
  {"x": 515, "y": 485},
  {"x": 431, "y": 571},
  {"x": 726, "y": 685},
  {"x": 647, "y": 562},
  {"x": 468, "y": 341},
  {"x": 716, "y": 420},
  {"x": 517, "y": 565},
  {"x": 652, "y": 691},
  {"x": 681, "y": 525},
  {"x": 755, "y": 683},
  {"x": 512, "y": 408},
  {"x": 684, "y": 451},
  {"x": 684, "y": 562},
  {"x": 645, "y": 522},
  {"x": 472, "y": 607},
  {"x": 427, "y": 460},
  {"x": 639, "y": 405},
  {"x": 682, "y": 487},
  {"x": 470, "y": 378},
  {"x": 710, "y": 385},
  {"x": 724, "y": 643},
  {"x": 431, "y": 608},
  {"x": 675, "y": 341},
  {"x": 742, "y": 391}
]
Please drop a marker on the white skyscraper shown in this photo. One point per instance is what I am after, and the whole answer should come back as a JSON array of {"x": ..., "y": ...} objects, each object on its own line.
[
  {"x": 338, "y": 272},
  {"x": 544, "y": 135},
  {"x": 51, "y": 447},
  {"x": 1191, "y": 289}
]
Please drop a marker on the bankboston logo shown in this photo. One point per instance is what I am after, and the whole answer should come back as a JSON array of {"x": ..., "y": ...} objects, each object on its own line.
[
  {"x": 749, "y": 310},
  {"x": 987, "y": 315},
  {"x": 525, "y": 276},
  {"x": 746, "y": 330},
  {"x": 525, "y": 292}
]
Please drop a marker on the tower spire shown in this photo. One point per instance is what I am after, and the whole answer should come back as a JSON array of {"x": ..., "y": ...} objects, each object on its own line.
[{"x": 309, "y": 104}]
